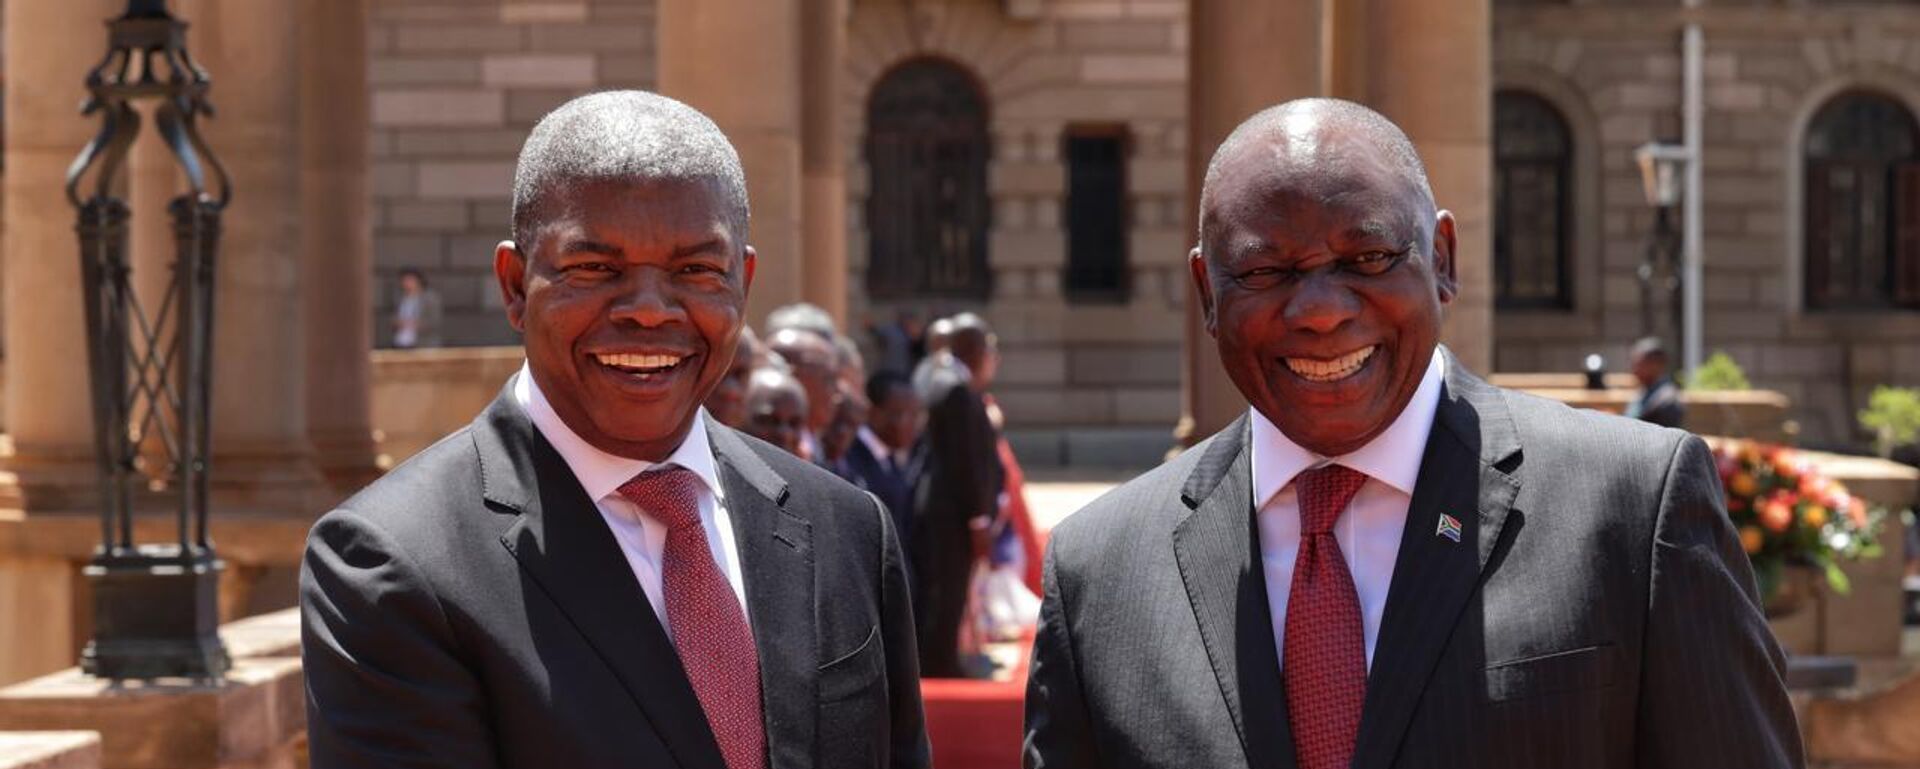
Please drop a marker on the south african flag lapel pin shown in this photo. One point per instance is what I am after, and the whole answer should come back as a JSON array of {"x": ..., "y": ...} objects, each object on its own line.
[{"x": 1449, "y": 528}]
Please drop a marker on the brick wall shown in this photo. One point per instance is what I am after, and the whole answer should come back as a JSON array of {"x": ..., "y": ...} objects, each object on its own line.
[
  {"x": 456, "y": 86},
  {"x": 1615, "y": 73},
  {"x": 1045, "y": 67}
]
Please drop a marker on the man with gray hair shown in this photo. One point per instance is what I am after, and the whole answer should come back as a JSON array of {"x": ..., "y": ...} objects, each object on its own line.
[{"x": 595, "y": 573}]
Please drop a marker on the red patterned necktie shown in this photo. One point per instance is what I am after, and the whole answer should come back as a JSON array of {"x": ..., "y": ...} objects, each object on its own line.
[
  {"x": 1326, "y": 649},
  {"x": 709, "y": 628}
]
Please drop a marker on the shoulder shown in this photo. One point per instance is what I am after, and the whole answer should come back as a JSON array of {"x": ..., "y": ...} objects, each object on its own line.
[
  {"x": 1144, "y": 508},
  {"x": 419, "y": 496},
  {"x": 812, "y": 490},
  {"x": 1570, "y": 452}
]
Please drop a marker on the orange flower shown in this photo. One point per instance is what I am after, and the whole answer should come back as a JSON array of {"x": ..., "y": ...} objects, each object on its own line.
[
  {"x": 1814, "y": 485},
  {"x": 1814, "y": 516},
  {"x": 1742, "y": 484},
  {"x": 1858, "y": 512},
  {"x": 1751, "y": 539},
  {"x": 1776, "y": 516}
]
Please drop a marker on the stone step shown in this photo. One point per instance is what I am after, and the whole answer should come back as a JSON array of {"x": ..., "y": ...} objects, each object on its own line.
[{"x": 50, "y": 750}]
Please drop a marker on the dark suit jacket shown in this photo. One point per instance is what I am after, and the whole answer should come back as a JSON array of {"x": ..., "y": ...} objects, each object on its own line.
[
  {"x": 1597, "y": 611},
  {"x": 471, "y": 609},
  {"x": 893, "y": 486},
  {"x": 1660, "y": 404}
]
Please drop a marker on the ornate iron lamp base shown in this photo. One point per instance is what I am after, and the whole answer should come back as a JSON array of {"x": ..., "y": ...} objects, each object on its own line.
[{"x": 156, "y": 615}]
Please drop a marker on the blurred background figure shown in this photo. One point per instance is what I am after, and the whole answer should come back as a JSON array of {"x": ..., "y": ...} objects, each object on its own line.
[
  {"x": 728, "y": 403},
  {"x": 1659, "y": 400},
  {"x": 849, "y": 416},
  {"x": 416, "y": 317},
  {"x": 886, "y": 456},
  {"x": 935, "y": 342},
  {"x": 815, "y": 363},
  {"x": 957, "y": 501},
  {"x": 776, "y": 408},
  {"x": 899, "y": 343},
  {"x": 804, "y": 317}
]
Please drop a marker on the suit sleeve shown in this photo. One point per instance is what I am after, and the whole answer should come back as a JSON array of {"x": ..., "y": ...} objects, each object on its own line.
[
  {"x": 385, "y": 687},
  {"x": 1711, "y": 691},
  {"x": 1059, "y": 731},
  {"x": 907, "y": 715}
]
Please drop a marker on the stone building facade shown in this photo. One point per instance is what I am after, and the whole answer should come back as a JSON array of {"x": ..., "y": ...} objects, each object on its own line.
[
  {"x": 457, "y": 84},
  {"x": 1612, "y": 71}
]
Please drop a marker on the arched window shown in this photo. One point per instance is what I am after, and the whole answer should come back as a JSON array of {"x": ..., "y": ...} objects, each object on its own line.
[
  {"x": 1532, "y": 202},
  {"x": 927, "y": 201},
  {"x": 1862, "y": 204}
]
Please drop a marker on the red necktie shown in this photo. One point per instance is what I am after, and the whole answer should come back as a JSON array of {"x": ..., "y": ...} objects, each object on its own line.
[
  {"x": 709, "y": 629},
  {"x": 1326, "y": 649}
]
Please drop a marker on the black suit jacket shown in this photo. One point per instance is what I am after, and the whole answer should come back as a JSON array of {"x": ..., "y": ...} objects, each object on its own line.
[
  {"x": 1597, "y": 611},
  {"x": 471, "y": 609}
]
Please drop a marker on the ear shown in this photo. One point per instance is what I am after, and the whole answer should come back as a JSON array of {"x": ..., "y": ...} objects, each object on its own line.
[
  {"x": 1445, "y": 277},
  {"x": 748, "y": 260},
  {"x": 510, "y": 271},
  {"x": 1202, "y": 285}
]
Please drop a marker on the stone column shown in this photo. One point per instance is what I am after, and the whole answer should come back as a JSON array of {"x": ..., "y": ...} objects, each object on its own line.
[
  {"x": 49, "y": 49},
  {"x": 1427, "y": 66},
  {"x": 336, "y": 238},
  {"x": 262, "y": 462},
  {"x": 823, "y": 41},
  {"x": 1246, "y": 55},
  {"x": 739, "y": 62}
]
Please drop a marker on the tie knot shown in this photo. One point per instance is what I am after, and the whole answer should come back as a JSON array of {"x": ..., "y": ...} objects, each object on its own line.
[
  {"x": 1324, "y": 492},
  {"x": 669, "y": 495}
]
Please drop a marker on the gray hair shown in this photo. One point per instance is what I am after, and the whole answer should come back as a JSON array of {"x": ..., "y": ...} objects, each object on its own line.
[
  {"x": 805, "y": 317},
  {"x": 625, "y": 136},
  {"x": 1287, "y": 119}
]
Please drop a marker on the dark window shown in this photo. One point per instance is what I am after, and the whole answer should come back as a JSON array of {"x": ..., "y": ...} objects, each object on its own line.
[
  {"x": 1862, "y": 205},
  {"x": 927, "y": 204},
  {"x": 1096, "y": 214},
  {"x": 1532, "y": 202}
]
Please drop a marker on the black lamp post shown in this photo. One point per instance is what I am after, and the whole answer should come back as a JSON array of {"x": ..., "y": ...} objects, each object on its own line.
[{"x": 156, "y": 609}]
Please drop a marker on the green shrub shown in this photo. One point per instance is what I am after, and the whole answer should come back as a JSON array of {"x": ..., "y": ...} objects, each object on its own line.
[
  {"x": 1893, "y": 415},
  {"x": 1719, "y": 373}
]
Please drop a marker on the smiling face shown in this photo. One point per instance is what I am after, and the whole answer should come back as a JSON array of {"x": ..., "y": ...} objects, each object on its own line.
[
  {"x": 1323, "y": 275},
  {"x": 629, "y": 300}
]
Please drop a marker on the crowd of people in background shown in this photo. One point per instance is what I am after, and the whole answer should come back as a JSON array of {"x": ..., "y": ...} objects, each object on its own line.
[{"x": 919, "y": 430}]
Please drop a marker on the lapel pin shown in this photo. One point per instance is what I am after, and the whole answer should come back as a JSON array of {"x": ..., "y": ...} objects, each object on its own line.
[{"x": 1449, "y": 528}]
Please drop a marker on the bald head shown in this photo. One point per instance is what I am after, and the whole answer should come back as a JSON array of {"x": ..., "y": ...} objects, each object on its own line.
[
  {"x": 1309, "y": 137},
  {"x": 626, "y": 137}
]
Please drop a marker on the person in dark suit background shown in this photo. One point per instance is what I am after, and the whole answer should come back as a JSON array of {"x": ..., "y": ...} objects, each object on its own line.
[
  {"x": 1389, "y": 562},
  {"x": 956, "y": 502},
  {"x": 594, "y": 573},
  {"x": 1659, "y": 401},
  {"x": 887, "y": 455}
]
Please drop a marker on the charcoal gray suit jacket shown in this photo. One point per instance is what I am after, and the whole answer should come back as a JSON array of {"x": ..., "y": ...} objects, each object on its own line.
[
  {"x": 1597, "y": 611},
  {"x": 471, "y": 609}
]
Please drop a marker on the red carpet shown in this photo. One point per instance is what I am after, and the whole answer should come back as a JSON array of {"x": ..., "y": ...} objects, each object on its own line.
[{"x": 977, "y": 724}]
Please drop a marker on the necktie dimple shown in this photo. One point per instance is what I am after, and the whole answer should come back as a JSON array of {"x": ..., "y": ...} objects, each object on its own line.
[
  {"x": 1326, "y": 654},
  {"x": 708, "y": 626}
]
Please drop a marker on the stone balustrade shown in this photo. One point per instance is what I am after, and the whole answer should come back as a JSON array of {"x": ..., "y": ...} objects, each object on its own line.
[
  {"x": 254, "y": 719},
  {"x": 49, "y": 750}
]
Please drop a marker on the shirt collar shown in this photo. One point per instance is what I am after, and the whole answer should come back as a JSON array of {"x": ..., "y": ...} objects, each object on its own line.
[
  {"x": 599, "y": 472},
  {"x": 879, "y": 447},
  {"x": 1392, "y": 457}
]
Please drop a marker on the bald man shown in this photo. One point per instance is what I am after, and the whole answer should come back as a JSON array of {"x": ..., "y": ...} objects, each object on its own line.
[{"x": 1388, "y": 562}]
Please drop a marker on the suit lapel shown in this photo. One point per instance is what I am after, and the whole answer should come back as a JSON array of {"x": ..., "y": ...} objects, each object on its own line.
[
  {"x": 1433, "y": 577},
  {"x": 1218, "y": 550},
  {"x": 776, "y": 556},
  {"x": 562, "y": 543}
]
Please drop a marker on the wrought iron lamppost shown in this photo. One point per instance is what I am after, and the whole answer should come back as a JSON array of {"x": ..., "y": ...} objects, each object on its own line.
[
  {"x": 155, "y": 605},
  {"x": 1662, "y": 168}
]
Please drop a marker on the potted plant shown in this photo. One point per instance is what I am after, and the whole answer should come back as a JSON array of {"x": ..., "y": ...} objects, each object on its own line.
[{"x": 1795, "y": 524}]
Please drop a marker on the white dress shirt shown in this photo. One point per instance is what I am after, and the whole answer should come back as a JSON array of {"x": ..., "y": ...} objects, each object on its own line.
[
  {"x": 642, "y": 539},
  {"x": 895, "y": 459},
  {"x": 1368, "y": 530}
]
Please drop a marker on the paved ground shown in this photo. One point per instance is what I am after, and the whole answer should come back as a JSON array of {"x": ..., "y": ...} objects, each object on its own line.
[{"x": 1054, "y": 494}]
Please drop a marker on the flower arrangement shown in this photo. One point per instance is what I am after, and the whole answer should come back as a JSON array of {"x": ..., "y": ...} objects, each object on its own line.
[{"x": 1790, "y": 514}]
